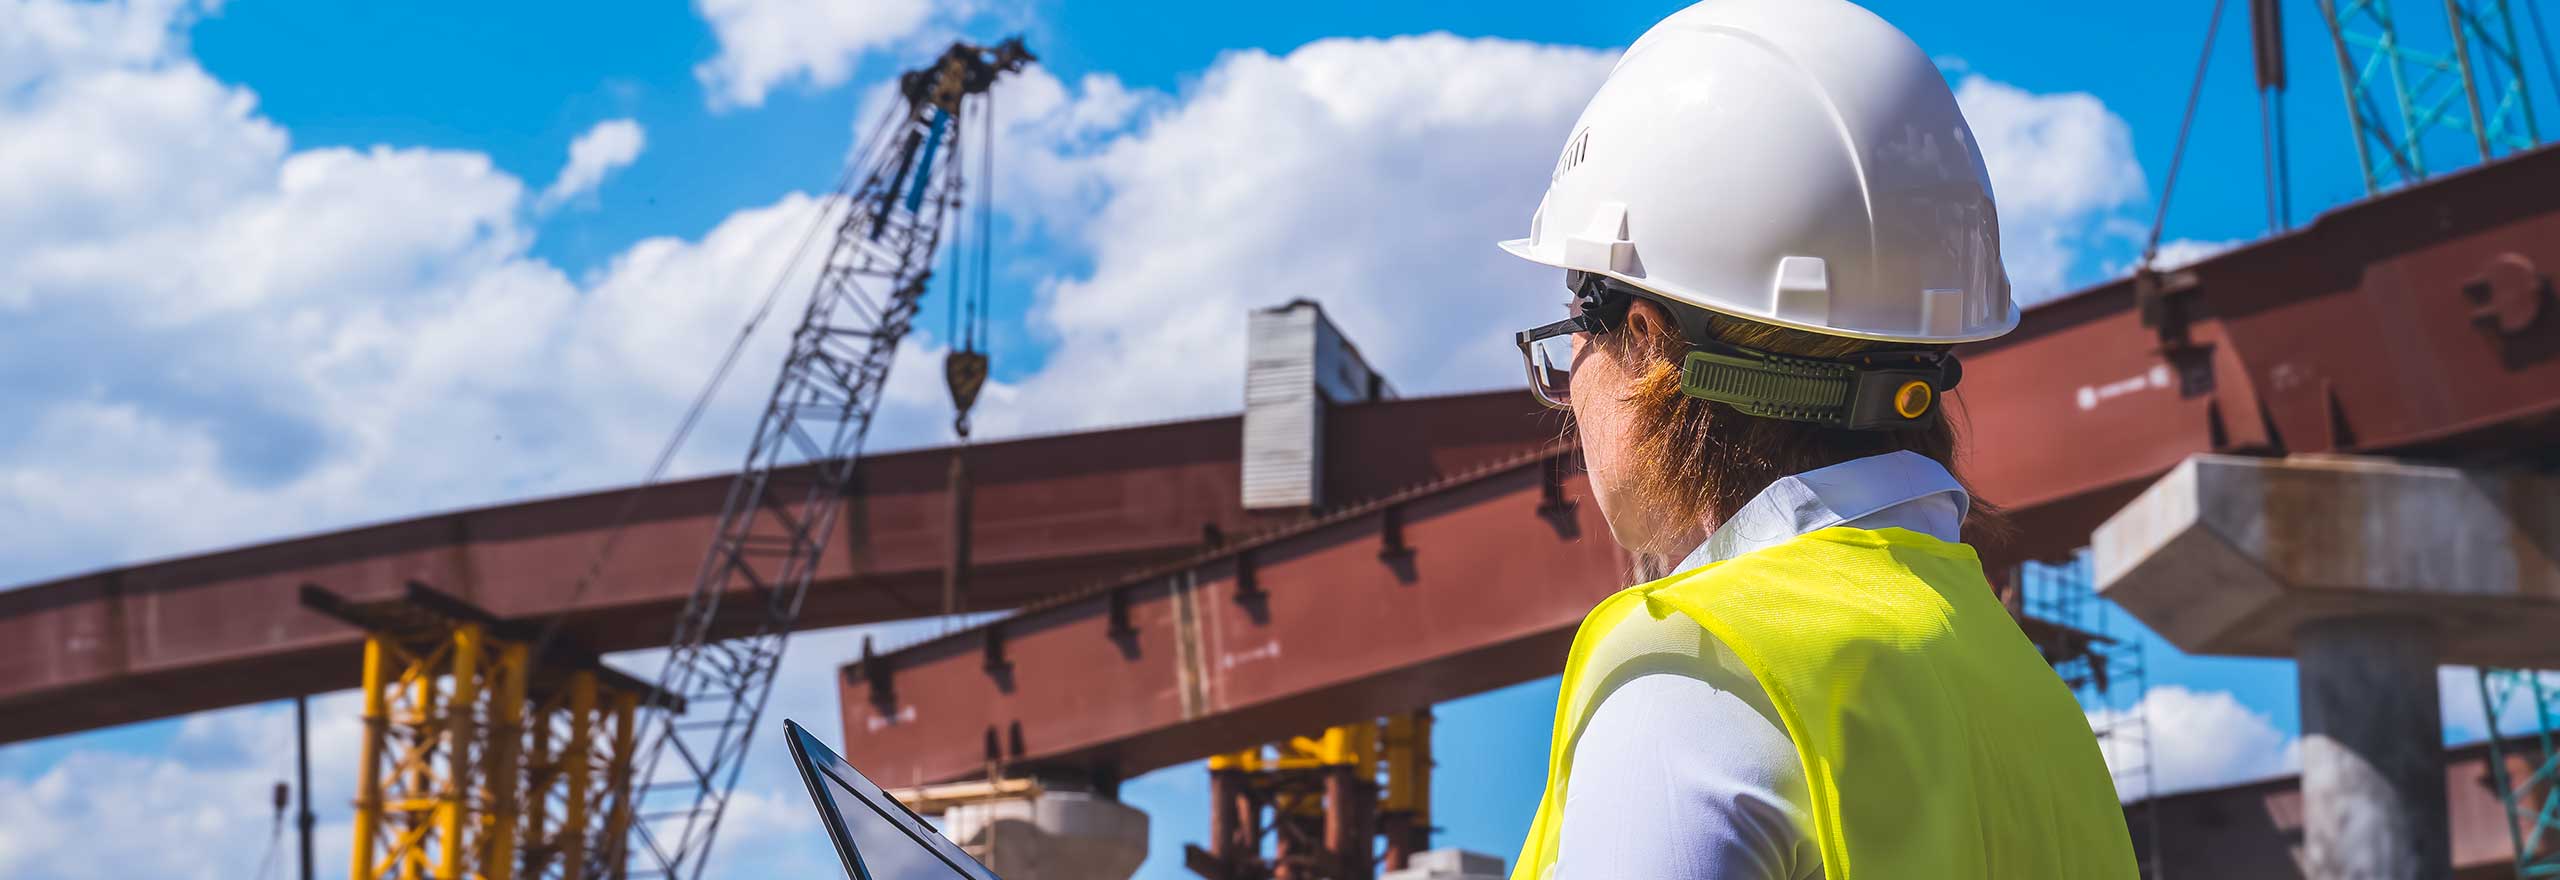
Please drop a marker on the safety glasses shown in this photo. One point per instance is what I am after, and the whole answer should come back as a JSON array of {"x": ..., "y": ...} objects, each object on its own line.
[{"x": 1548, "y": 351}]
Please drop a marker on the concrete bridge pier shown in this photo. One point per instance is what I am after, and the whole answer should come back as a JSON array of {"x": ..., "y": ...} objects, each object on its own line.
[
  {"x": 2372, "y": 764},
  {"x": 2368, "y": 573}
]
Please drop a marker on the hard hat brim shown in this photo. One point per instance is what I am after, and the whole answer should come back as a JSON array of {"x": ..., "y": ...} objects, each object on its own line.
[
  {"x": 1526, "y": 249},
  {"x": 1523, "y": 248}
]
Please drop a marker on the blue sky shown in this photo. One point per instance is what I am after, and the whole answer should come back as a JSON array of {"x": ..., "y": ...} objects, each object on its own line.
[{"x": 279, "y": 266}]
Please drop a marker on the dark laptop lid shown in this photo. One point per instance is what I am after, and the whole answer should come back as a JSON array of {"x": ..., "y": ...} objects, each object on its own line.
[{"x": 879, "y": 838}]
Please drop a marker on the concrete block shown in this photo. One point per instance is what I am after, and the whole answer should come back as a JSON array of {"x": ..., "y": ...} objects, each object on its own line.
[
  {"x": 2230, "y": 555},
  {"x": 1448, "y": 864}
]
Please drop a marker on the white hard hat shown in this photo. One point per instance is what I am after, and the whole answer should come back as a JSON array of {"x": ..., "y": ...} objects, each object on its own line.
[{"x": 1794, "y": 162}]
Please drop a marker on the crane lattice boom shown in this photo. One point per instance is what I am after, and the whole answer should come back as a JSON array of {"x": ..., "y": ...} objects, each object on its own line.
[{"x": 782, "y": 508}]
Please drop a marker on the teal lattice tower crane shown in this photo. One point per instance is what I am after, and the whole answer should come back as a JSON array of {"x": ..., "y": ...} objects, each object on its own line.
[
  {"x": 2401, "y": 98},
  {"x": 2524, "y": 765}
]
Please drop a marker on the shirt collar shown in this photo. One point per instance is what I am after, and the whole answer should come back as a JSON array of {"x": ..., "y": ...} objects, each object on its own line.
[{"x": 1897, "y": 489}]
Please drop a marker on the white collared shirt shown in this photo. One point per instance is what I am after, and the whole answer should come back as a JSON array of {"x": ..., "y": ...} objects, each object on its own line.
[{"x": 1682, "y": 777}]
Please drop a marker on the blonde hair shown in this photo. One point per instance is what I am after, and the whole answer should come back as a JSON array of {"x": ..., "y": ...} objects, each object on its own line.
[{"x": 1703, "y": 460}]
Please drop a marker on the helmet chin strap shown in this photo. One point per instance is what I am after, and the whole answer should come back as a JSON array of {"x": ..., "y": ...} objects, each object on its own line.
[{"x": 1870, "y": 391}]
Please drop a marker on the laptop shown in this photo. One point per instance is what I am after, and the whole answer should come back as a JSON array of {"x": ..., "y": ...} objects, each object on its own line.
[{"x": 879, "y": 838}]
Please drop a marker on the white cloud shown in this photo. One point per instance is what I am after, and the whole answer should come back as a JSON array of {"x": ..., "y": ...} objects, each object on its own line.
[
  {"x": 767, "y": 43},
  {"x": 604, "y": 149},
  {"x": 204, "y": 804},
  {"x": 2063, "y": 172},
  {"x": 309, "y": 339},
  {"x": 2183, "y": 252},
  {"x": 1352, "y": 171},
  {"x": 2196, "y": 740},
  {"x": 47, "y": 39},
  {"x": 2176, "y": 253}
]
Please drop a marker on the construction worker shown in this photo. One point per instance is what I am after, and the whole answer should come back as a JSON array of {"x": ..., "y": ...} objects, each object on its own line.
[{"x": 1774, "y": 222}]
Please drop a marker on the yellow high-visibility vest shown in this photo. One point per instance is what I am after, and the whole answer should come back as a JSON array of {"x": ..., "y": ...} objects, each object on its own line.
[{"x": 1936, "y": 742}]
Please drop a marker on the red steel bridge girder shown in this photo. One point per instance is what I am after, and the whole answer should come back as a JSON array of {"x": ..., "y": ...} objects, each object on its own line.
[
  {"x": 1052, "y": 513},
  {"x": 2410, "y": 324}
]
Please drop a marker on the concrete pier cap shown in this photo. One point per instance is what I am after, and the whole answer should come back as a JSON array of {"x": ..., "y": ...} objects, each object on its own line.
[
  {"x": 2369, "y": 573},
  {"x": 2232, "y": 555}
]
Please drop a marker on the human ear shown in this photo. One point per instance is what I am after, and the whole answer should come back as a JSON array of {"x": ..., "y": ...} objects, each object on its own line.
[{"x": 1646, "y": 319}]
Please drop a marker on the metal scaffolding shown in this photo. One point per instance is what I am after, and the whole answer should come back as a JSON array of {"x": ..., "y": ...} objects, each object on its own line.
[
  {"x": 2524, "y": 765},
  {"x": 2106, "y": 672},
  {"x": 2398, "y": 96},
  {"x": 1319, "y": 803},
  {"x": 480, "y": 760}
]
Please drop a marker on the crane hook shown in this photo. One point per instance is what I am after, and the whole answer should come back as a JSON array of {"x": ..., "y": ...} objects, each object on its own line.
[{"x": 966, "y": 372}]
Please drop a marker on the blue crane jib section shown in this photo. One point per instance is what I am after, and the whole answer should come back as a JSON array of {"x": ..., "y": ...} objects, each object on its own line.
[{"x": 924, "y": 171}]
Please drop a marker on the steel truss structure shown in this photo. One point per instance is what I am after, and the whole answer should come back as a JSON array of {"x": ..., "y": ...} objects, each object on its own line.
[
  {"x": 2398, "y": 95},
  {"x": 781, "y": 510}
]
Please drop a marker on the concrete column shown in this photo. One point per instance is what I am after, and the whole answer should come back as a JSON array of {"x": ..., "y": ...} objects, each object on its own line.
[{"x": 2372, "y": 750}]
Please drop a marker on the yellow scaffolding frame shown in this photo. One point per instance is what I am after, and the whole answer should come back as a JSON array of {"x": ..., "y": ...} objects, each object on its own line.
[{"x": 478, "y": 763}]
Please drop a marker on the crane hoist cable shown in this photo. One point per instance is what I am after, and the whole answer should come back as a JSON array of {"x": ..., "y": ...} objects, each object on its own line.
[
  {"x": 2186, "y": 126},
  {"x": 965, "y": 367}
]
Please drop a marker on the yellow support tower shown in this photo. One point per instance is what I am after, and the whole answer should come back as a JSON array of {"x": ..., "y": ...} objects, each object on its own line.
[
  {"x": 478, "y": 762},
  {"x": 1322, "y": 801}
]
